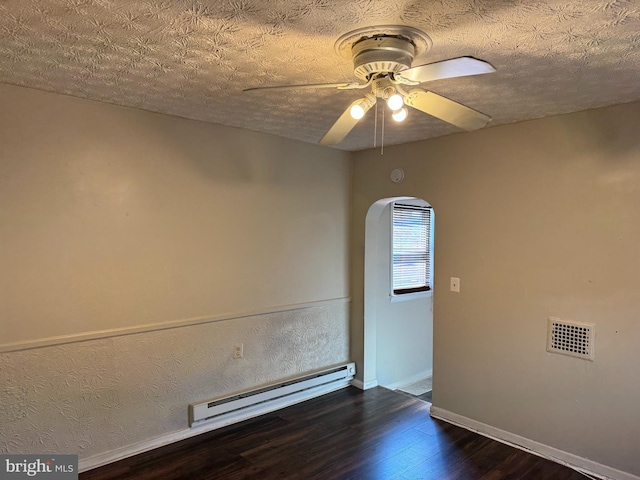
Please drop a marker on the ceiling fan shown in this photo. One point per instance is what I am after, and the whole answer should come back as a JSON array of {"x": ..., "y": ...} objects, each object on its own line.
[{"x": 382, "y": 58}]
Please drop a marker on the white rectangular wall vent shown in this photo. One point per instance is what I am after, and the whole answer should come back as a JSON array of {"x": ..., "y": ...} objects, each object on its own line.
[
  {"x": 571, "y": 338},
  {"x": 242, "y": 406}
]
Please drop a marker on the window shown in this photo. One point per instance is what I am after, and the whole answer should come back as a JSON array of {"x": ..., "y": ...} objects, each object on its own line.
[{"x": 411, "y": 249}]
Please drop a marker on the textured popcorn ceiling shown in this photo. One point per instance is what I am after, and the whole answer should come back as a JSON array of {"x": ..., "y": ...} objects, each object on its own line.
[{"x": 193, "y": 58}]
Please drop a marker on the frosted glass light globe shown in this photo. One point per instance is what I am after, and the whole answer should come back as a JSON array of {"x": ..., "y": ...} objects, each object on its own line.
[
  {"x": 395, "y": 101},
  {"x": 357, "y": 111},
  {"x": 400, "y": 115}
]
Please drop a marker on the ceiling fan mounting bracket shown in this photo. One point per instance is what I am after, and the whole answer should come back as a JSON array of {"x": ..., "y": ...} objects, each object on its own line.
[
  {"x": 382, "y": 54},
  {"x": 383, "y": 49},
  {"x": 421, "y": 41}
]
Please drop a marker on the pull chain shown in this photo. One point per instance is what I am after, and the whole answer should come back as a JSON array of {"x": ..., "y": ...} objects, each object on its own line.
[
  {"x": 382, "y": 133},
  {"x": 375, "y": 127}
]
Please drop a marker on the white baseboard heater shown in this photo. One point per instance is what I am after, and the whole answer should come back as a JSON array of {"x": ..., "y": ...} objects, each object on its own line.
[{"x": 244, "y": 405}]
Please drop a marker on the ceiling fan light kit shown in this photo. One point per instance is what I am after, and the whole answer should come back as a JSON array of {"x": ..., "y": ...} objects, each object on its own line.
[
  {"x": 362, "y": 106},
  {"x": 382, "y": 57},
  {"x": 395, "y": 101},
  {"x": 400, "y": 115}
]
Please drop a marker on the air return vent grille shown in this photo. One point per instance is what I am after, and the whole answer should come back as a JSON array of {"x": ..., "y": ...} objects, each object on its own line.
[{"x": 571, "y": 338}]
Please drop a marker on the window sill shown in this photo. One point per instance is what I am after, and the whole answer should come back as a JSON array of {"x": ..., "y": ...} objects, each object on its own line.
[{"x": 410, "y": 296}]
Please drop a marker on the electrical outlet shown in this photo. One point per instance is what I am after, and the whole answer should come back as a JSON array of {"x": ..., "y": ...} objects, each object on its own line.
[
  {"x": 238, "y": 350},
  {"x": 454, "y": 284}
]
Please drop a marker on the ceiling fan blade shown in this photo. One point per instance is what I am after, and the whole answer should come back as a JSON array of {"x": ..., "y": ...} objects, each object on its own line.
[
  {"x": 455, "y": 67},
  {"x": 341, "y": 128},
  {"x": 451, "y": 112},
  {"x": 340, "y": 86}
]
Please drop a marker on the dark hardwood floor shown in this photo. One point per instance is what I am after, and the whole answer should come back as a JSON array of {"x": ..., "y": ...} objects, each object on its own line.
[{"x": 347, "y": 434}]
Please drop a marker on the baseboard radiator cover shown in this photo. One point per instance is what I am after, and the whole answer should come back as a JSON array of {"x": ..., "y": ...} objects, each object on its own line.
[{"x": 243, "y": 405}]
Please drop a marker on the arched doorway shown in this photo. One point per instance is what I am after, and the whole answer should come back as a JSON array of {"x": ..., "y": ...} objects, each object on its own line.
[{"x": 398, "y": 332}]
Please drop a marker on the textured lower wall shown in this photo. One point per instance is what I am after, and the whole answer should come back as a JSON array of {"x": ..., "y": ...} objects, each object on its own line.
[{"x": 94, "y": 396}]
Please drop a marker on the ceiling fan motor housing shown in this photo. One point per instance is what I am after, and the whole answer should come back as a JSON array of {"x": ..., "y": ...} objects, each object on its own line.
[{"x": 381, "y": 54}]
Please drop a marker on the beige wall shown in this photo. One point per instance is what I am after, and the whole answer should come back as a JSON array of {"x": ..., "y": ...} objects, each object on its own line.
[
  {"x": 114, "y": 217},
  {"x": 115, "y": 220},
  {"x": 538, "y": 219}
]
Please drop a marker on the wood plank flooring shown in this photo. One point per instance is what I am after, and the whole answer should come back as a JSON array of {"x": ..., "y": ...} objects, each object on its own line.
[{"x": 348, "y": 434}]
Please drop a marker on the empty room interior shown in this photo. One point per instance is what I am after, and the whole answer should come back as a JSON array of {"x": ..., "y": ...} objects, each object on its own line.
[{"x": 174, "y": 231}]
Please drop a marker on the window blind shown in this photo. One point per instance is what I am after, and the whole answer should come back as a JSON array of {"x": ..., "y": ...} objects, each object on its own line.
[{"x": 411, "y": 249}]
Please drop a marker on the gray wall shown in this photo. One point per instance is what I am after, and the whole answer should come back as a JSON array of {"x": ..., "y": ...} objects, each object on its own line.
[
  {"x": 136, "y": 249},
  {"x": 538, "y": 219}
]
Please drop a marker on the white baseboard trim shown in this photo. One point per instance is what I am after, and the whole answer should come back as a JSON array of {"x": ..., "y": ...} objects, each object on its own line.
[
  {"x": 409, "y": 380},
  {"x": 111, "y": 456},
  {"x": 575, "y": 462},
  {"x": 364, "y": 385}
]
